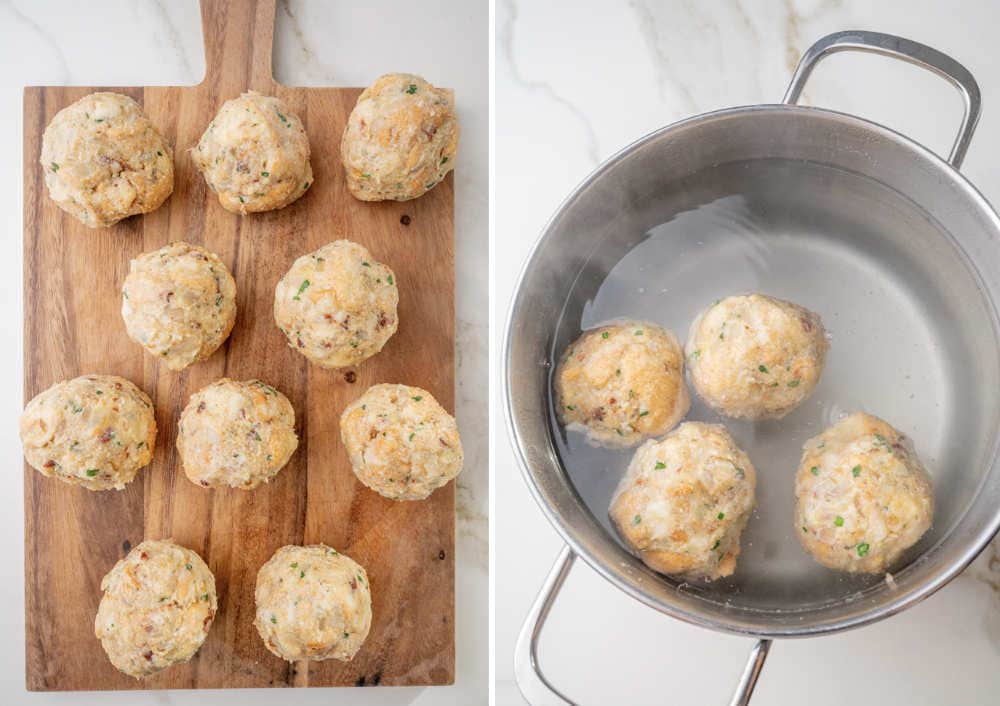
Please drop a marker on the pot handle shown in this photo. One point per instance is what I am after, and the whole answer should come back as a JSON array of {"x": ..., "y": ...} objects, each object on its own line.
[
  {"x": 906, "y": 50},
  {"x": 536, "y": 688}
]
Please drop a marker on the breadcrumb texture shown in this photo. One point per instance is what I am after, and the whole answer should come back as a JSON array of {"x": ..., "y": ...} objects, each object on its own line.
[
  {"x": 756, "y": 357},
  {"x": 236, "y": 434},
  {"x": 105, "y": 161},
  {"x": 401, "y": 139},
  {"x": 684, "y": 501},
  {"x": 862, "y": 497},
  {"x": 313, "y": 603},
  {"x": 622, "y": 383},
  {"x": 179, "y": 303},
  {"x": 158, "y": 606},
  {"x": 255, "y": 154},
  {"x": 401, "y": 442},
  {"x": 337, "y": 305},
  {"x": 95, "y": 431}
]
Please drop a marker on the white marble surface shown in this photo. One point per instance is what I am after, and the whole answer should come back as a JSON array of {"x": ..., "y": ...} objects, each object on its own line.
[
  {"x": 576, "y": 81},
  {"x": 117, "y": 42}
]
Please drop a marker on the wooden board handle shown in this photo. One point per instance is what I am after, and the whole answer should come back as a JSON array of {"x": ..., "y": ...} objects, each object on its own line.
[{"x": 239, "y": 35}]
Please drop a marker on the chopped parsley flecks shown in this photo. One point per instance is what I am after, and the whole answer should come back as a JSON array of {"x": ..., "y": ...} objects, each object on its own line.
[
  {"x": 856, "y": 471},
  {"x": 838, "y": 521},
  {"x": 605, "y": 335},
  {"x": 411, "y": 89},
  {"x": 643, "y": 413},
  {"x": 281, "y": 117},
  {"x": 636, "y": 520},
  {"x": 814, "y": 470},
  {"x": 265, "y": 174},
  {"x": 794, "y": 383},
  {"x": 721, "y": 516},
  {"x": 716, "y": 545},
  {"x": 389, "y": 279},
  {"x": 444, "y": 160},
  {"x": 412, "y": 434},
  {"x": 302, "y": 287},
  {"x": 302, "y": 574},
  {"x": 274, "y": 620},
  {"x": 295, "y": 564},
  {"x": 638, "y": 332},
  {"x": 188, "y": 567},
  {"x": 762, "y": 368},
  {"x": 54, "y": 167},
  {"x": 660, "y": 465},
  {"x": 91, "y": 472},
  {"x": 242, "y": 200},
  {"x": 863, "y": 549},
  {"x": 696, "y": 354},
  {"x": 365, "y": 264},
  {"x": 417, "y": 398},
  {"x": 570, "y": 407}
]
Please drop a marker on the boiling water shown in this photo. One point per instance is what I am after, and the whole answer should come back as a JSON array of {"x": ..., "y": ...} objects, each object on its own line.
[{"x": 841, "y": 246}]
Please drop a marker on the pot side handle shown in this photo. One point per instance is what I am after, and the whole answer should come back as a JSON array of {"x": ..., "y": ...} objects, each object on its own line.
[
  {"x": 905, "y": 50},
  {"x": 536, "y": 688}
]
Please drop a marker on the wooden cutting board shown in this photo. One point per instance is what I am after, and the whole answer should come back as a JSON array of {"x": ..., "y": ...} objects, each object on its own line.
[{"x": 72, "y": 294}]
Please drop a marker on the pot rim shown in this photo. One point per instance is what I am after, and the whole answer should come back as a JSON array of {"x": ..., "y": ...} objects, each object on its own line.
[{"x": 941, "y": 576}]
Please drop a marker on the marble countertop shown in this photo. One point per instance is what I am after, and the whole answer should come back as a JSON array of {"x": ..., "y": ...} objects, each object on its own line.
[
  {"x": 575, "y": 83},
  {"x": 142, "y": 42}
]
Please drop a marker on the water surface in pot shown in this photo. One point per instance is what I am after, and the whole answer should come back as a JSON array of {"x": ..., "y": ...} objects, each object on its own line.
[{"x": 906, "y": 322}]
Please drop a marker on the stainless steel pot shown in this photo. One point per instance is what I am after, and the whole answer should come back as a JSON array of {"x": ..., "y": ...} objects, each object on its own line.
[{"x": 889, "y": 242}]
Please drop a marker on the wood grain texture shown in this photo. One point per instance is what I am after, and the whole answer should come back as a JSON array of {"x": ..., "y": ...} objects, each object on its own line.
[{"x": 72, "y": 293}]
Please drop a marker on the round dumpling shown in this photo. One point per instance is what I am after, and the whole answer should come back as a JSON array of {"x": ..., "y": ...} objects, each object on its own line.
[
  {"x": 236, "y": 434},
  {"x": 105, "y": 161},
  {"x": 401, "y": 139},
  {"x": 337, "y": 306},
  {"x": 622, "y": 383},
  {"x": 254, "y": 154},
  {"x": 96, "y": 431},
  {"x": 401, "y": 442},
  {"x": 684, "y": 501},
  {"x": 313, "y": 603},
  {"x": 158, "y": 606},
  {"x": 755, "y": 357},
  {"x": 862, "y": 497},
  {"x": 179, "y": 303}
]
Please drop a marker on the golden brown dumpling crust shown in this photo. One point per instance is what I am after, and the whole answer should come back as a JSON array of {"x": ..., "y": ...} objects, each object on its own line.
[
  {"x": 401, "y": 139},
  {"x": 622, "y": 383}
]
